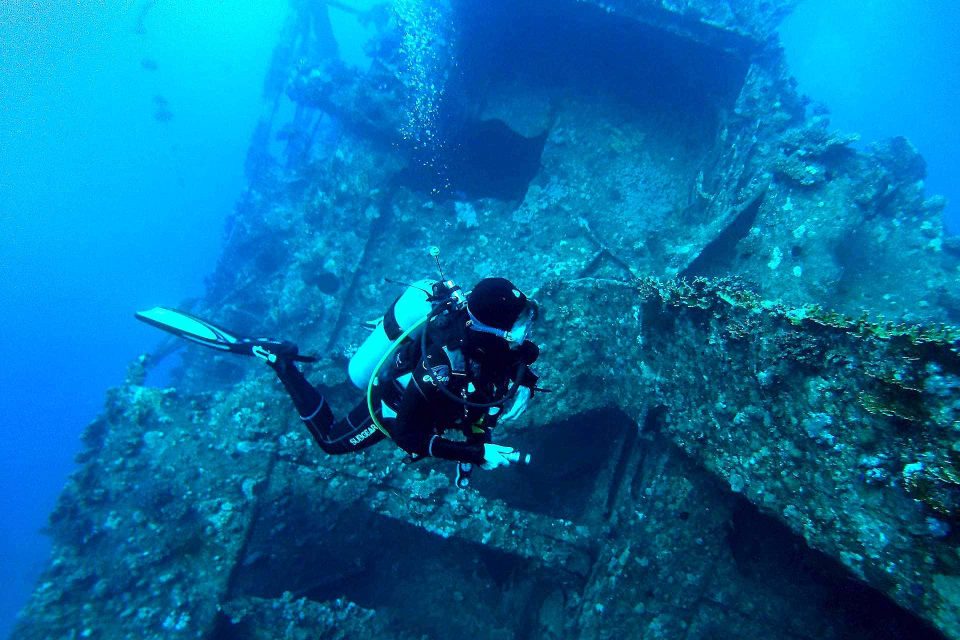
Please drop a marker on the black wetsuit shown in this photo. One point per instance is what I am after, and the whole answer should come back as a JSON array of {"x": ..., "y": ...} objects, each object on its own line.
[{"x": 409, "y": 402}]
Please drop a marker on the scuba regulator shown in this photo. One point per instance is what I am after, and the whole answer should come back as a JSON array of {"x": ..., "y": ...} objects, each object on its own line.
[{"x": 447, "y": 298}]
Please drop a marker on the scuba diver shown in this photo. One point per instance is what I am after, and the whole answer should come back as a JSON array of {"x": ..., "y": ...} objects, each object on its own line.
[{"x": 438, "y": 360}]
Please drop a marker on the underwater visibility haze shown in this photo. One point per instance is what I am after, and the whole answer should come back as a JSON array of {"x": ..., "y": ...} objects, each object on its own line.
[
  {"x": 123, "y": 131},
  {"x": 540, "y": 319}
]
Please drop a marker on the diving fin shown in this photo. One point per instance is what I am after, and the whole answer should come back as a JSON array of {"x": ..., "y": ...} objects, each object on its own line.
[{"x": 184, "y": 325}]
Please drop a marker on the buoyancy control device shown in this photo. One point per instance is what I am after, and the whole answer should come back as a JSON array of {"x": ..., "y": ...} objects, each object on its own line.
[{"x": 415, "y": 307}]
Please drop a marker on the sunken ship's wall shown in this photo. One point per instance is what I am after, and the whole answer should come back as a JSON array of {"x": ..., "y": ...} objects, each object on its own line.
[{"x": 746, "y": 328}]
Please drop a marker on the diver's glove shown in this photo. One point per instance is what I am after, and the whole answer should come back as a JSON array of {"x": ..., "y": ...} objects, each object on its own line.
[
  {"x": 498, "y": 455},
  {"x": 520, "y": 402}
]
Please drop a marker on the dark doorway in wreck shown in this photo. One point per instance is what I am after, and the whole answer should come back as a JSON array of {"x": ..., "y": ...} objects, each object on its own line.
[
  {"x": 557, "y": 49},
  {"x": 569, "y": 46}
]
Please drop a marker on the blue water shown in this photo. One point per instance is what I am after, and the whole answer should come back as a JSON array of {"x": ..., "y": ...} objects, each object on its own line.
[
  {"x": 886, "y": 68},
  {"x": 121, "y": 153},
  {"x": 105, "y": 209}
]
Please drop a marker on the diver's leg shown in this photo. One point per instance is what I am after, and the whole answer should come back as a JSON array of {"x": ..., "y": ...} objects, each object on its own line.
[
  {"x": 353, "y": 433},
  {"x": 356, "y": 431},
  {"x": 310, "y": 404}
]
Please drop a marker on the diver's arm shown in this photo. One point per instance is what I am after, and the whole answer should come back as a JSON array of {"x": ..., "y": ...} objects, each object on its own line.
[
  {"x": 528, "y": 378},
  {"x": 415, "y": 431},
  {"x": 526, "y": 381},
  {"x": 527, "y": 354},
  {"x": 519, "y": 405},
  {"x": 472, "y": 452}
]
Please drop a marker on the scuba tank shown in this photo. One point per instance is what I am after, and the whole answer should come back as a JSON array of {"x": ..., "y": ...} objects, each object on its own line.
[
  {"x": 420, "y": 300},
  {"x": 408, "y": 309}
]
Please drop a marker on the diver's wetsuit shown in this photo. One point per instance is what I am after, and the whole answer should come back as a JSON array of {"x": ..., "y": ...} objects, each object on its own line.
[
  {"x": 354, "y": 432},
  {"x": 410, "y": 405}
]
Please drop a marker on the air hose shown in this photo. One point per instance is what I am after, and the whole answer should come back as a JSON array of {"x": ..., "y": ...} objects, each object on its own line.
[{"x": 376, "y": 371}]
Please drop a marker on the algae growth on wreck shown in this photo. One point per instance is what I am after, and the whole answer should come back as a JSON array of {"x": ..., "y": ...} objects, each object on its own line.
[{"x": 749, "y": 326}]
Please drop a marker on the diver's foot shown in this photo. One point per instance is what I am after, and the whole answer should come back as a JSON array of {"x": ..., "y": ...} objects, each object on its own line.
[{"x": 275, "y": 353}]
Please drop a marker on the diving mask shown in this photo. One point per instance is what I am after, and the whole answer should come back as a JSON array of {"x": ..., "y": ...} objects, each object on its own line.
[{"x": 517, "y": 333}]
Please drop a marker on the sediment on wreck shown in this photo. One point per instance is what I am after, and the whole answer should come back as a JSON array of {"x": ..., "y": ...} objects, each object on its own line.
[{"x": 741, "y": 329}]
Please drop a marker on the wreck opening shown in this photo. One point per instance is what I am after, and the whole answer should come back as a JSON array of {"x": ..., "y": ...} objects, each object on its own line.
[
  {"x": 405, "y": 572},
  {"x": 523, "y": 59},
  {"x": 575, "y": 46},
  {"x": 519, "y": 65},
  {"x": 481, "y": 159}
]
